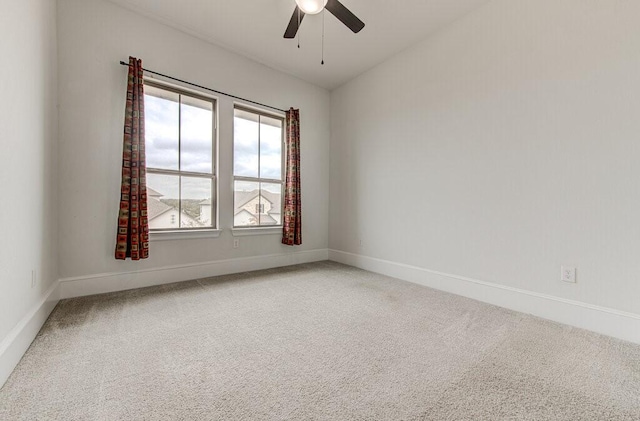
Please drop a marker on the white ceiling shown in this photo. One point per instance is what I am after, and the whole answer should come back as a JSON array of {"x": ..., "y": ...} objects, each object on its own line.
[{"x": 255, "y": 28}]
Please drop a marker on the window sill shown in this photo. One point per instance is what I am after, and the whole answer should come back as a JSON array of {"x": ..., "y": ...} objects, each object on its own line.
[
  {"x": 183, "y": 235},
  {"x": 243, "y": 232}
]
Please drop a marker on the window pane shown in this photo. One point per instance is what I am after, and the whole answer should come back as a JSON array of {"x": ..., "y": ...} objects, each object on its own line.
[
  {"x": 196, "y": 202},
  {"x": 270, "y": 204},
  {"x": 161, "y": 116},
  {"x": 270, "y": 148},
  {"x": 246, "y": 200},
  {"x": 245, "y": 143},
  {"x": 162, "y": 201},
  {"x": 196, "y": 135}
]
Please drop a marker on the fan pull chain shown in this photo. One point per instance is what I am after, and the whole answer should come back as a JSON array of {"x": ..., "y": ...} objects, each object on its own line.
[
  {"x": 322, "y": 62},
  {"x": 298, "y": 33}
]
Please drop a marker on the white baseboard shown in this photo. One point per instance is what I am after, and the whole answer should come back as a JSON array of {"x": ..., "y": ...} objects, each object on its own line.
[
  {"x": 16, "y": 343},
  {"x": 111, "y": 282},
  {"x": 607, "y": 321}
]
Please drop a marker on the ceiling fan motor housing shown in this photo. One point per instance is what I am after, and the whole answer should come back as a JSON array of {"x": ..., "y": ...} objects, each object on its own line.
[
  {"x": 337, "y": 9},
  {"x": 311, "y": 7}
]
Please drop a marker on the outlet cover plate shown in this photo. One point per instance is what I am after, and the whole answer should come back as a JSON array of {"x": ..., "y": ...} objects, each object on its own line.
[{"x": 568, "y": 274}]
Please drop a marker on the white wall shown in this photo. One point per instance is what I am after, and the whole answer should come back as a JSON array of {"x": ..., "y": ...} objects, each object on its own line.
[
  {"x": 28, "y": 147},
  {"x": 499, "y": 149},
  {"x": 94, "y": 35}
]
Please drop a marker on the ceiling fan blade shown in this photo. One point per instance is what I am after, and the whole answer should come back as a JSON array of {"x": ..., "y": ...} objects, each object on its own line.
[
  {"x": 344, "y": 15},
  {"x": 292, "y": 29}
]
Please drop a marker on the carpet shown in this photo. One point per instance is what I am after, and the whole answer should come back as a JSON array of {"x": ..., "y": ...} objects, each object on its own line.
[{"x": 320, "y": 341}]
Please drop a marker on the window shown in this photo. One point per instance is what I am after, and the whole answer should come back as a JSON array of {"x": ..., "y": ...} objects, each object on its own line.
[
  {"x": 257, "y": 168},
  {"x": 179, "y": 141}
]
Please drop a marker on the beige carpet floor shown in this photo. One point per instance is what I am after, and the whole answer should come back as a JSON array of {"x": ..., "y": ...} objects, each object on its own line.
[{"x": 319, "y": 341}]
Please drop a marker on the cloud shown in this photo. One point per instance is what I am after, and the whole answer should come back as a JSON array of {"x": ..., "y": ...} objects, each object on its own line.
[
  {"x": 196, "y": 188},
  {"x": 161, "y": 133},
  {"x": 252, "y": 140}
]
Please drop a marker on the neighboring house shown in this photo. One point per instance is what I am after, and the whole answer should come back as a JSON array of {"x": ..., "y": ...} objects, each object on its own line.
[
  {"x": 253, "y": 208},
  {"x": 163, "y": 216}
]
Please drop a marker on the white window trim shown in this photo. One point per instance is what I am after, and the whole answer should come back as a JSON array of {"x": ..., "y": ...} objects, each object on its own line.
[
  {"x": 184, "y": 234},
  {"x": 239, "y": 231},
  {"x": 245, "y": 232},
  {"x": 212, "y": 232}
]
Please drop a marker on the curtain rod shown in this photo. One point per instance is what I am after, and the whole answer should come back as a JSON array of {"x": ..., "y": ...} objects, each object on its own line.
[{"x": 208, "y": 89}]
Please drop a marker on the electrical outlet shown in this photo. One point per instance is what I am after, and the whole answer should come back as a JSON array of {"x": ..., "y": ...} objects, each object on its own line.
[
  {"x": 236, "y": 243},
  {"x": 33, "y": 278},
  {"x": 568, "y": 274}
]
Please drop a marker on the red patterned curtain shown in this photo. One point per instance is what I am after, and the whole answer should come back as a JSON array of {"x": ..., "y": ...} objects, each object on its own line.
[
  {"x": 292, "y": 224},
  {"x": 133, "y": 226}
]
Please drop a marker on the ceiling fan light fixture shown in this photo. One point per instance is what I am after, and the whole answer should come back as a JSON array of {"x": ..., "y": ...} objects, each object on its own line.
[{"x": 311, "y": 7}]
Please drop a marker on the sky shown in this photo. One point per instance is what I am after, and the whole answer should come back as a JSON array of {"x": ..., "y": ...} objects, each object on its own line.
[{"x": 161, "y": 131}]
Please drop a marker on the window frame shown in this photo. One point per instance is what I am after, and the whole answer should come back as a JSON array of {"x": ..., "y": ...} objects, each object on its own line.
[
  {"x": 213, "y": 176},
  {"x": 237, "y": 229}
]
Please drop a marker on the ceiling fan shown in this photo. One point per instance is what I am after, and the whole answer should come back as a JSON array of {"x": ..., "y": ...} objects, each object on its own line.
[{"x": 312, "y": 7}]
